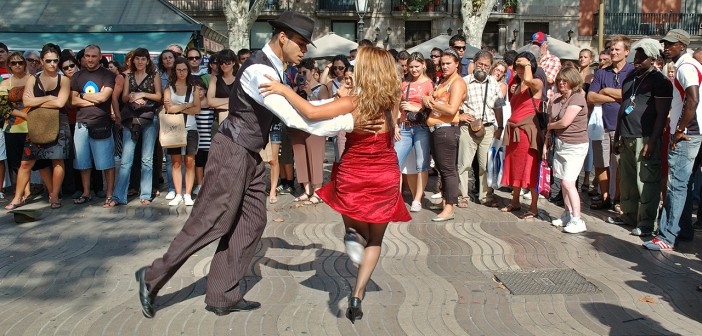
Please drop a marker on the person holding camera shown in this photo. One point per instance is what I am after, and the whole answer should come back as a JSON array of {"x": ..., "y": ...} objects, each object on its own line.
[
  {"x": 308, "y": 149},
  {"x": 482, "y": 111},
  {"x": 142, "y": 96},
  {"x": 412, "y": 133}
]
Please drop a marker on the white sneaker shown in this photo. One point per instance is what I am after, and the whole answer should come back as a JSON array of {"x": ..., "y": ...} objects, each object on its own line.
[
  {"x": 416, "y": 206},
  {"x": 176, "y": 200},
  {"x": 527, "y": 195},
  {"x": 196, "y": 190},
  {"x": 171, "y": 195},
  {"x": 565, "y": 218},
  {"x": 188, "y": 200},
  {"x": 576, "y": 225}
]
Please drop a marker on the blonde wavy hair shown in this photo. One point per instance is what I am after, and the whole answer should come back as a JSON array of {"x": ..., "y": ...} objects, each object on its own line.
[{"x": 378, "y": 86}]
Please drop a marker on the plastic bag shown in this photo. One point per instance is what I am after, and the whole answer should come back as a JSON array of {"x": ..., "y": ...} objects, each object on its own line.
[
  {"x": 544, "y": 186},
  {"x": 595, "y": 126},
  {"x": 496, "y": 158}
]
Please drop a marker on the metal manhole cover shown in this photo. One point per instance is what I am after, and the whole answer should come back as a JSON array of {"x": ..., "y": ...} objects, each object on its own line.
[{"x": 545, "y": 281}]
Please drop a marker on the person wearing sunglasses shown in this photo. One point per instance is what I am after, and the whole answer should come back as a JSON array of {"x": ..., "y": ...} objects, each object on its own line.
[
  {"x": 194, "y": 57},
  {"x": 33, "y": 61},
  {"x": 14, "y": 114},
  {"x": 606, "y": 90},
  {"x": 47, "y": 90},
  {"x": 458, "y": 43},
  {"x": 336, "y": 71},
  {"x": 71, "y": 180}
]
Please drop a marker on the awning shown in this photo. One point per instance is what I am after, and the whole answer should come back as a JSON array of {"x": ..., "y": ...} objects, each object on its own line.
[
  {"x": 118, "y": 43},
  {"x": 329, "y": 46}
]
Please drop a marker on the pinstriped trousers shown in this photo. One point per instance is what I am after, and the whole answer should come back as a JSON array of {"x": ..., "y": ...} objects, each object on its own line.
[{"x": 230, "y": 207}]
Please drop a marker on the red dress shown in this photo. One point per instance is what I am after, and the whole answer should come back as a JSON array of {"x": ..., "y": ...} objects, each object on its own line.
[
  {"x": 365, "y": 185},
  {"x": 521, "y": 167}
]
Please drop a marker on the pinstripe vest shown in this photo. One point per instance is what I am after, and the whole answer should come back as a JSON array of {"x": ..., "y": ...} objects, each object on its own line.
[{"x": 249, "y": 122}]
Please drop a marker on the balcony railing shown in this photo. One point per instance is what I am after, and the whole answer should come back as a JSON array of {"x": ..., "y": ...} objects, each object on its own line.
[
  {"x": 337, "y": 5},
  {"x": 189, "y": 6},
  {"x": 431, "y": 6},
  {"x": 650, "y": 24}
]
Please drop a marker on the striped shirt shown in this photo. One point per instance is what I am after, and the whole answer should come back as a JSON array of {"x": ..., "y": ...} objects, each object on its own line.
[{"x": 204, "y": 128}]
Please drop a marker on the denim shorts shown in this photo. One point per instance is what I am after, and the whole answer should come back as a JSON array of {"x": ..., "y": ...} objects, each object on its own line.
[
  {"x": 89, "y": 150},
  {"x": 276, "y": 134}
]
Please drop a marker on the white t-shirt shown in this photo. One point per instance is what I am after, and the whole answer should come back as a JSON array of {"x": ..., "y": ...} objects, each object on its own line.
[
  {"x": 686, "y": 76},
  {"x": 190, "y": 122}
]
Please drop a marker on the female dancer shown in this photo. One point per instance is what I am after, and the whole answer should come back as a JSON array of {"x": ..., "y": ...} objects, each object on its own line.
[{"x": 365, "y": 183}]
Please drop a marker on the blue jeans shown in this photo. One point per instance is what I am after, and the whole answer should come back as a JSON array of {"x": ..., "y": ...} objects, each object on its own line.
[
  {"x": 417, "y": 138},
  {"x": 678, "y": 196},
  {"x": 149, "y": 133}
]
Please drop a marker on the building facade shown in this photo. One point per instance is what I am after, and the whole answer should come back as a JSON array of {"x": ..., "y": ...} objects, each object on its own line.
[{"x": 402, "y": 24}]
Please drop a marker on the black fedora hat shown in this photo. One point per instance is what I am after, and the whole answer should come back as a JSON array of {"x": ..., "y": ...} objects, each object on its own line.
[{"x": 300, "y": 24}]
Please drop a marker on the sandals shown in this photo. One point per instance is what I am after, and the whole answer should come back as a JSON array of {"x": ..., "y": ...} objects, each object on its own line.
[
  {"x": 528, "y": 215},
  {"x": 302, "y": 198},
  {"x": 463, "y": 203},
  {"x": 601, "y": 204},
  {"x": 13, "y": 206},
  {"x": 489, "y": 203},
  {"x": 511, "y": 208},
  {"x": 272, "y": 199},
  {"x": 82, "y": 199},
  {"x": 110, "y": 203},
  {"x": 55, "y": 203},
  {"x": 145, "y": 202},
  {"x": 313, "y": 200}
]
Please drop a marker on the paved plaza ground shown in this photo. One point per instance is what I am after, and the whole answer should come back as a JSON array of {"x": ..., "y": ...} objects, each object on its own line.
[{"x": 72, "y": 273}]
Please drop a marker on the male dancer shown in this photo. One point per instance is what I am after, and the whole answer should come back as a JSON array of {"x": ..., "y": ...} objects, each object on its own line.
[{"x": 231, "y": 206}]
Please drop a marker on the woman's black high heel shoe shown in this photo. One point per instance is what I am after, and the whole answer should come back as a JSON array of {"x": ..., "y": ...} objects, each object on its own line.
[{"x": 354, "y": 311}]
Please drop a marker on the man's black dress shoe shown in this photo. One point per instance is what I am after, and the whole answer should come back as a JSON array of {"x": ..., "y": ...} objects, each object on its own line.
[
  {"x": 145, "y": 298},
  {"x": 242, "y": 305}
]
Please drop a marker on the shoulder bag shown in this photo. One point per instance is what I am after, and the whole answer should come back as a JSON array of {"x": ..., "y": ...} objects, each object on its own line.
[
  {"x": 414, "y": 116},
  {"x": 172, "y": 133},
  {"x": 477, "y": 127},
  {"x": 43, "y": 122},
  {"x": 541, "y": 114}
]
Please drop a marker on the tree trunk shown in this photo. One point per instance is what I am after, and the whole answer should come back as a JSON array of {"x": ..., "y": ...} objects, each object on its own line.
[
  {"x": 240, "y": 19},
  {"x": 474, "y": 20}
]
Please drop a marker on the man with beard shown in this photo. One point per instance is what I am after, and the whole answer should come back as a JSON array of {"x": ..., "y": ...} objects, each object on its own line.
[
  {"x": 482, "y": 107},
  {"x": 647, "y": 94},
  {"x": 685, "y": 138}
]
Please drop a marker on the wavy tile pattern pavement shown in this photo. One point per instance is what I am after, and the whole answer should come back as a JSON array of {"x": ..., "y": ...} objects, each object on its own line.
[{"x": 71, "y": 273}]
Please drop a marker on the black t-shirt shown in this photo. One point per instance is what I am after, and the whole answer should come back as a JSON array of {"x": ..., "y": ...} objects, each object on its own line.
[
  {"x": 640, "y": 120},
  {"x": 85, "y": 81}
]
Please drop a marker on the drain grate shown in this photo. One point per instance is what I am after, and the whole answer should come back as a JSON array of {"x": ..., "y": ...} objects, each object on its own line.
[{"x": 545, "y": 281}]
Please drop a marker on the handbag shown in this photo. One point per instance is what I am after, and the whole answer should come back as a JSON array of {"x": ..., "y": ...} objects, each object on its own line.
[
  {"x": 172, "y": 133},
  {"x": 544, "y": 185},
  {"x": 541, "y": 114},
  {"x": 42, "y": 122},
  {"x": 43, "y": 125},
  {"x": 148, "y": 106},
  {"x": 477, "y": 128},
  {"x": 414, "y": 116},
  {"x": 496, "y": 158}
]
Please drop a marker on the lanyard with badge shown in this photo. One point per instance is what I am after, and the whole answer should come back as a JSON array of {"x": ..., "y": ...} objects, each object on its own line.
[{"x": 632, "y": 103}]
